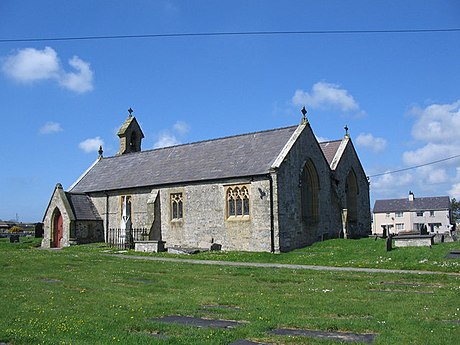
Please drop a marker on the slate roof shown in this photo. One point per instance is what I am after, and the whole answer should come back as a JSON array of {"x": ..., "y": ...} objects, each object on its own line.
[
  {"x": 329, "y": 149},
  {"x": 419, "y": 204},
  {"x": 236, "y": 156},
  {"x": 82, "y": 207}
]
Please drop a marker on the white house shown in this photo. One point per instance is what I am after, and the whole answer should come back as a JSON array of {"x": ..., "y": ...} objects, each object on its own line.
[{"x": 430, "y": 214}]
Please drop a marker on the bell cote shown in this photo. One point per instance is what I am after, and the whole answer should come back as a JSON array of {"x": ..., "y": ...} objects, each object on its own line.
[{"x": 130, "y": 135}]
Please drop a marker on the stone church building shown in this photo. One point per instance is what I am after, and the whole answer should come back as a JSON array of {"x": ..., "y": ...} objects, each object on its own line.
[{"x": 273, "y": 191}]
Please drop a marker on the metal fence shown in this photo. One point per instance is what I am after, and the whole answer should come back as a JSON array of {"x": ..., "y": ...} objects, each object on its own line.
[{"x": 124, "y": 238}]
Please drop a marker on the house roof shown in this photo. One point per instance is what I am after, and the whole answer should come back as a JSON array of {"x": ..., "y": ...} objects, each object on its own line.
[
  {"x": 82, "y": 207},
  {"x": 236, "y": 156},
  {"x": 418, "y": 204}
]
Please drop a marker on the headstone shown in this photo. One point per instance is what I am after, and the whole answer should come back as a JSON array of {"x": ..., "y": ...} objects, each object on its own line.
[
  {"x": 389, "y": 243},
  {"x": 38, "y": 230}
]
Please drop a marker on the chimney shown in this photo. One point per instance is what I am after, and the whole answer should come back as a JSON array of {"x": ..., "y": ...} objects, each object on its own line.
[{"x": 411, "y": 196}]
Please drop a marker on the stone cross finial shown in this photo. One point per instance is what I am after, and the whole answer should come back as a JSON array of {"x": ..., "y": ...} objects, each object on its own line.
[
  {"x": 304, "y": 115},
  {"x": 346, "y": 130},
  {"x": 130, "y": 111},
  {"x": 100, "y": 151}
]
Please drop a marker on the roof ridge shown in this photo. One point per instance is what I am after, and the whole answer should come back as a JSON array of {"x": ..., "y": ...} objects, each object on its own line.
[
  {"x": 204, "y": 141},
  {"x": 329, "y": 141}
]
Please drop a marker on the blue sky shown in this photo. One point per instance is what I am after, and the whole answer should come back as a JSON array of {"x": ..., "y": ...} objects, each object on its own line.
[{"x": 399, "y": 93}]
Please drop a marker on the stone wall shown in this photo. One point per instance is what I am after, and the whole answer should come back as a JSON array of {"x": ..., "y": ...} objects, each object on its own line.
[
  {"x": 87, "y": 231},
  {"x": 204, "y": 221},
  {"x": 294, "y": 231},
  {"x": 58, "y": 202},
  {"x": 350, "y": 162}
]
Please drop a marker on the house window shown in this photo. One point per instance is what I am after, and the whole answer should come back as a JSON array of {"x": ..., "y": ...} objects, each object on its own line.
[
  {"x": 399, "y": 214},
  {"x": 177, "y": 206},
  {"x": 431, "y": 213},
  {"x": 237, "y": 201},
  {"x": 399, "y": 226},
  {"x": 419, "y": 213}
]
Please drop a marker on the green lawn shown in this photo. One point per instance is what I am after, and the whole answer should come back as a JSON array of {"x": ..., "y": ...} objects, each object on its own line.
[
  {"x": 80, "y": 295},
  {"x": 365, "y": 252}
]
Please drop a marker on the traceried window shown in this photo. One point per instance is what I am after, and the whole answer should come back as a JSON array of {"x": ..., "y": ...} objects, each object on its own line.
[
  {"x": 237, "y": 201},
  {"x": 399, "y": 214},
  {"x": 177, "y": 206},
  {"x": 431, "y": 213}
]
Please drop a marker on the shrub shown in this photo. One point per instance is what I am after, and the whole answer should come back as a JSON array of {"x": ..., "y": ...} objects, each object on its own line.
[{"x": 15, "y": 229}]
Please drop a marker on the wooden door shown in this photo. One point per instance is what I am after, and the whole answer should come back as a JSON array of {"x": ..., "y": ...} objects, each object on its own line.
[{"x": 57, "y": 229}]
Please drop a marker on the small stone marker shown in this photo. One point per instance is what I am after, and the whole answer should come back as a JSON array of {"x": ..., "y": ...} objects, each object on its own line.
[
  {"x": 453, "y": 254},
  {"x": 197, "y": 322},
  {"x": 14, "y": 238},
  {"x": 367, "y": 338}
]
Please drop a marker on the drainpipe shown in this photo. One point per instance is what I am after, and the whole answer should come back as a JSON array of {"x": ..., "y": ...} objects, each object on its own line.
[
  {"x": 272, "y": 220},
  {"x": 106, "y": 216}
]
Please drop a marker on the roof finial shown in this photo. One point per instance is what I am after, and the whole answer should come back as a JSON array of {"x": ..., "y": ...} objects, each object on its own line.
[
  {"x": 130, "y": 111},
  {"x": 101, "y": 151},
  {"x": 346, "y": 131},
  {"x": 304, "y": 116}
]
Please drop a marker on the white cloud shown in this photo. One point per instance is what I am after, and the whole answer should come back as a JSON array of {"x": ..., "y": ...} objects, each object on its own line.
[
  {"x": 327, "y": 96},
  {"x": 81, "y": 81},
  {"x": 30, "y": 65},
  {"x": 166, "y": 139},
  {"x": 181, "y": 127},
  {"x": 370, "y": 142},
  {"x": 437, "y": 123},
  {"x": 51, "y": 127},
  {"x": 390, "y": 183},
  {"x": 172, "y": 138},
  {"x": 435, "y": 130},
  {"x": 91, "y": 144}
]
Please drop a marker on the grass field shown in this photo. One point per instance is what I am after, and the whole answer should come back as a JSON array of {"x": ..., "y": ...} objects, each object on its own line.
[{"x": 80, "y": 295}]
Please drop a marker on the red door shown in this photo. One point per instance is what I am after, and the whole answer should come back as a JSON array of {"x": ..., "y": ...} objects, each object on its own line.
[{"x": 57, "y": 230}]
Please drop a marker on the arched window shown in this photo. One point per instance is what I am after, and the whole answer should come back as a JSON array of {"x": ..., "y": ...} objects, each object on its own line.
[
  {"x": 309, "y": 189},
  {"x": 237, "y": 201},
  {"x": 351, "y": 190}
]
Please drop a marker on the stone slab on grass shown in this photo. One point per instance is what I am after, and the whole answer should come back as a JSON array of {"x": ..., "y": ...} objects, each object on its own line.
[
  {"x": 246, "y": 342},
  {"x": 367, "y": 338},
  {"x": 404, "y": 291},
  {"x": 197, "y": 321}
]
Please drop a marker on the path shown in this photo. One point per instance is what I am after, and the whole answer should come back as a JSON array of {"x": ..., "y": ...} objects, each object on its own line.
[{"x": 275, "y": 265}]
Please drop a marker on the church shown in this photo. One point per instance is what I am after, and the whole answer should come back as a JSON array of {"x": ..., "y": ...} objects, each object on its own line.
[{"x": 269, "y": 191}]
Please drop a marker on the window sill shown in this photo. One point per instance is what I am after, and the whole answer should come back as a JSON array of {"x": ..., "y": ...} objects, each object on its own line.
[{"x": 238, "y": 218}]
